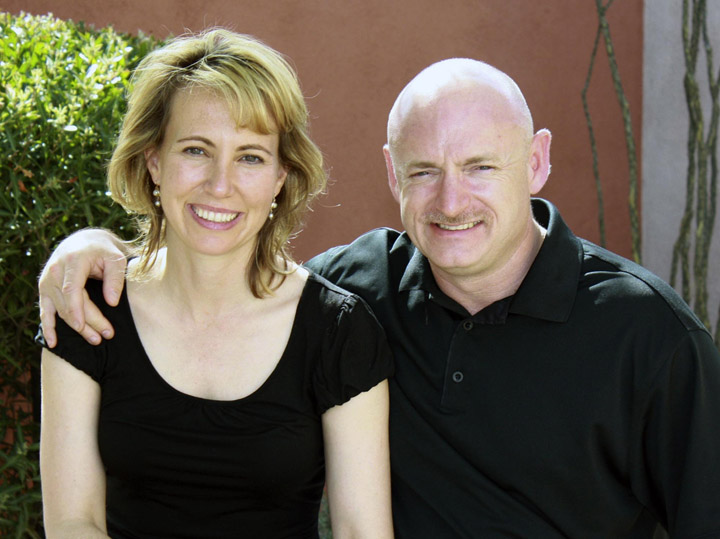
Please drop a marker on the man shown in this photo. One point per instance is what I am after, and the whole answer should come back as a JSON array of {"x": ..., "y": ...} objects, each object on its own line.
[{"x": 544, "y": 387}]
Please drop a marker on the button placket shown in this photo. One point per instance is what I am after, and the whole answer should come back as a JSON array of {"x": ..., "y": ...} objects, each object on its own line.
[{"x": 455, "y": 390}]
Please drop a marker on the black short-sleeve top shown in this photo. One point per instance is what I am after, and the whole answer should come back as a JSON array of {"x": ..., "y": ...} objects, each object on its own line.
[{"x": 180, "y": 466}]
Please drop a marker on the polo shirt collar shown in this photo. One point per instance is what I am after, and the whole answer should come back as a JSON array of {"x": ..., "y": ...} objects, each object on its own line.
[
  {"x": 548, "y": 290},
  {"x": 417, "y": 275}
]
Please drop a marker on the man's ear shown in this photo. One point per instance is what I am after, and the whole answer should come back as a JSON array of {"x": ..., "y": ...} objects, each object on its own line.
[
  {"x": 539, "y": 161},
  {"x": 392, "y": 179},
  {"x": 152, "y": 162}
]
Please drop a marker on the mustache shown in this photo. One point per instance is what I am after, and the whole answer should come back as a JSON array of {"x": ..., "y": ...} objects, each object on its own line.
[{"x": 439, "y": 218}]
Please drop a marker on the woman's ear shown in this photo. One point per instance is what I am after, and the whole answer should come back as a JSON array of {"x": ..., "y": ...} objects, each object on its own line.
[
  {"x": 281, "y": 180},
  {"x": 152, "y": 162}
]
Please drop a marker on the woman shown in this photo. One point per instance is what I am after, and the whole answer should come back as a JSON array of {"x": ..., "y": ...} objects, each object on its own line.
[{"x": 235, "y": 379}]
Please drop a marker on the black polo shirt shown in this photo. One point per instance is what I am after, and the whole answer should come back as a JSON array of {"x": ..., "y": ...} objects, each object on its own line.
[{"x": 587, "y": 405}]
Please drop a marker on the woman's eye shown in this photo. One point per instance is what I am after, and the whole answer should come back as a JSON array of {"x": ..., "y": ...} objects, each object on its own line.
[
  {"x": 252, "y": 159},
  {"x": 194, "y": 151}
]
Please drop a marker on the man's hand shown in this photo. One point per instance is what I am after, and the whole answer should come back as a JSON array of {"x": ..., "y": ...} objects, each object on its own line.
[{"x": 88, "y": 253}]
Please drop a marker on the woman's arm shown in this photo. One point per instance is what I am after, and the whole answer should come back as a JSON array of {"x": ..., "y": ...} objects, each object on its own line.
[
  {"x": 357, "y": 459},
  {"x": 73, "y": 477}
]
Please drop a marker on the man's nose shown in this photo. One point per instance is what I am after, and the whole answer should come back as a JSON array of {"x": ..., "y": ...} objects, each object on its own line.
[{"x": 452, "y": 196}]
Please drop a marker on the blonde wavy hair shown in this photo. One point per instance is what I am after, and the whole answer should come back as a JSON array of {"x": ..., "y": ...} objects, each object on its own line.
[{"x": 263, "y": 94}]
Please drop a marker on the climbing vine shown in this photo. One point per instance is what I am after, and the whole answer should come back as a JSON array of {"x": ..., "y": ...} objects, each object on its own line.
[
  {"x": 603, "y": 32},
  {"x": 691, "y": 252}
]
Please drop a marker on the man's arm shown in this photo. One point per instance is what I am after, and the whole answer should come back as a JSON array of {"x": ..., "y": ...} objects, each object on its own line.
[
  {"x": 88, "y": 253},
  {"x": 680, "y": 440}
]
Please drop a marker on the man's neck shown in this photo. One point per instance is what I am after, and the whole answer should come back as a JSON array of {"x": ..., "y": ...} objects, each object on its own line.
[{"x": 475, "y": 292}]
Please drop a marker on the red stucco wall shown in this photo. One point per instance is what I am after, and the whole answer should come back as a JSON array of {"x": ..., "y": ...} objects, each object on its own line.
[{"x": 354, "y": 57}]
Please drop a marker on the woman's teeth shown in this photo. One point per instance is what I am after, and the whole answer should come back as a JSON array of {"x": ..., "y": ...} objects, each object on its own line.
[{"x": 213, "y": 216}]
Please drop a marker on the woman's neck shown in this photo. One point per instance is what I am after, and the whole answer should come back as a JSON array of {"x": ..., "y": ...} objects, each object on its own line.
[{"x": 199, "y": 287}]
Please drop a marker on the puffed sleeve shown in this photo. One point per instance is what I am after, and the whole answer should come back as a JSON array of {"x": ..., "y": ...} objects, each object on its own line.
[
  {"x": 681, "y": 440},
  {"x": 73, "y": 348},
  {"x": 354, "y": 356}
]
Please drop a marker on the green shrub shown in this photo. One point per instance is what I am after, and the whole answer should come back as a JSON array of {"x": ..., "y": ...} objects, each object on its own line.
[{"x": 61, "y": 101}]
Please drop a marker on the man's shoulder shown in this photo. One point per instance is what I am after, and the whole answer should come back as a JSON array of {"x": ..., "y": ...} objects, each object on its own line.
[
  {"x": 635, "y": 287},
  {"x": 371, "y": 261},
  {"x": 373, "y": 246}
]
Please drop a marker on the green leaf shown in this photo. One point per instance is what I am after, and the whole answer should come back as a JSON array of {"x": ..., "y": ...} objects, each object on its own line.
[{"x": 52, "y": 182}]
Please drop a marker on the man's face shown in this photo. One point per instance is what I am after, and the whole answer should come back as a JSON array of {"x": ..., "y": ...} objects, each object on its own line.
[{"x": 461, "y": 169}]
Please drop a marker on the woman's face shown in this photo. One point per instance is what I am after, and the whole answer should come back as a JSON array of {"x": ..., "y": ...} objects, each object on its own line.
[{"x": 217, "y": 181}]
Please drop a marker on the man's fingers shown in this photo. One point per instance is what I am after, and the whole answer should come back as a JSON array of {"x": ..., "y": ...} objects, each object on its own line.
[
  {"x": 113, "y": 278},
  {"x": 47, "y": 319},
  {"x": 51, "y": 299},
  {"x": 87, "y": 253},
  {"x": 72, "y": 303},
  {"x": 76, "y": 273},
  {"x": 97, "y": 326}
]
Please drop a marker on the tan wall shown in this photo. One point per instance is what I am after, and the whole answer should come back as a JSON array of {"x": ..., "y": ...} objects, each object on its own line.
[{"x": 354, "y": 57}]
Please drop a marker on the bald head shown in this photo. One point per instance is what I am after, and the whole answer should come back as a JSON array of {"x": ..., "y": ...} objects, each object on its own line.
[
  {"x": 444, "y": 81},
  {"x": 463, "y": 162}
]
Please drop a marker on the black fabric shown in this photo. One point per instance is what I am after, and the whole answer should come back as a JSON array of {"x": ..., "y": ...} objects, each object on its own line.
[
  {"x": 179, "y": 466},
  {"x": 587, "y": 405}
]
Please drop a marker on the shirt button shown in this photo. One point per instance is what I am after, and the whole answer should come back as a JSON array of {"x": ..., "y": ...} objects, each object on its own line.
[
  {"x": 457, "y": 376},
  {"x": 467, "y": 325}
]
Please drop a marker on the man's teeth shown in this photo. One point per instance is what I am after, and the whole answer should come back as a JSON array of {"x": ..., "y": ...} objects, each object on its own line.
[
  {"x": 215, "y": 217},
  {"x": 457, "y": 227}
]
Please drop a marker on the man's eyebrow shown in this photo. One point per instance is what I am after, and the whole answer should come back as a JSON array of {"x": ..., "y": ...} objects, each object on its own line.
[
  {"x": 474, "y": 160},
  {"x": 421, "y": 164},
  {"x": 478, "y": 159}
]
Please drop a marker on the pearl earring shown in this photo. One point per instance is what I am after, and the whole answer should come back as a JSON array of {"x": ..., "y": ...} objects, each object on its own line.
[
  {"x": 273, "y": 207},
  {"x": 156, "y": 194}
]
